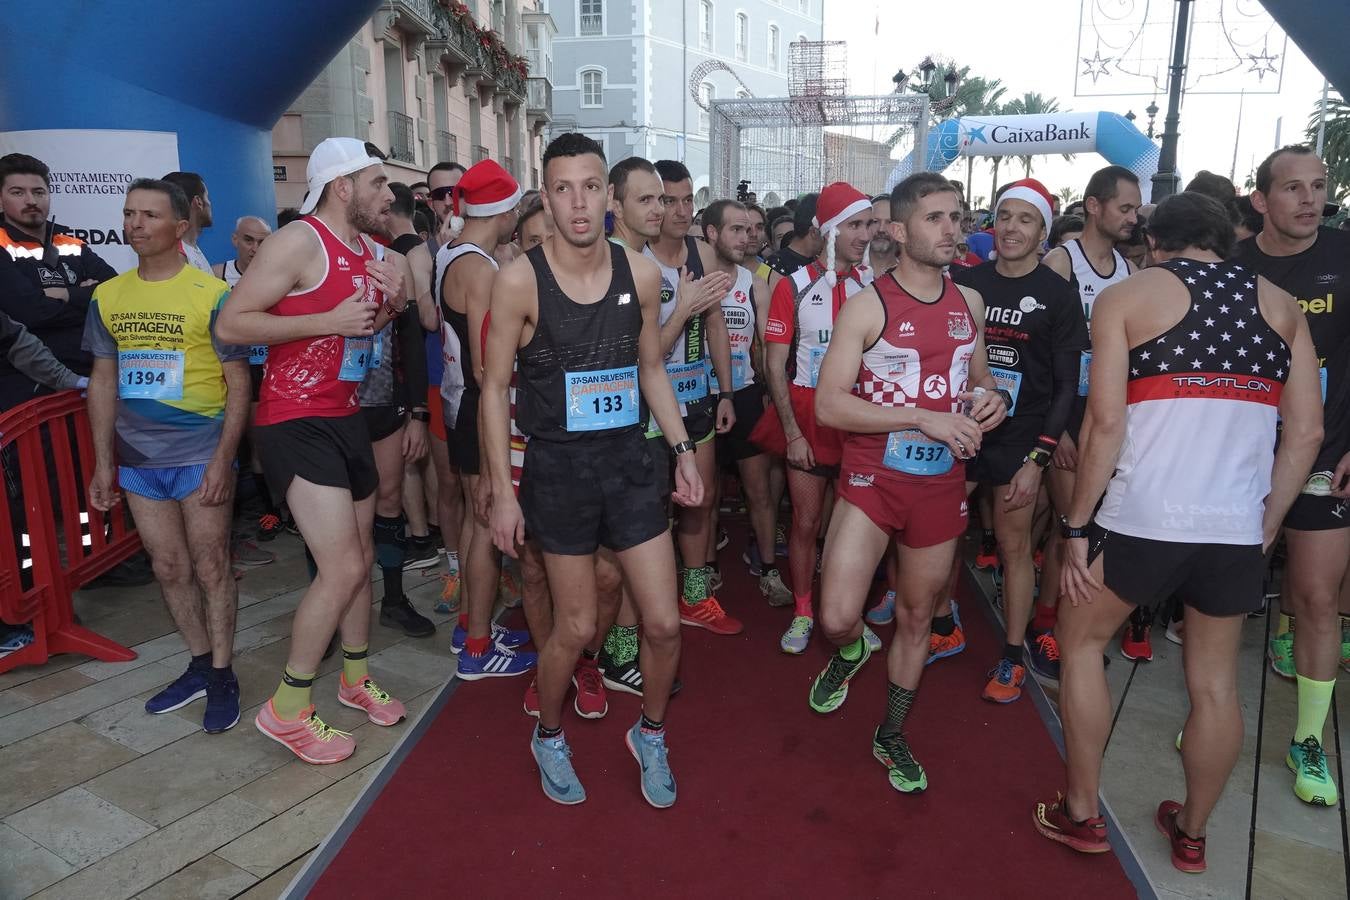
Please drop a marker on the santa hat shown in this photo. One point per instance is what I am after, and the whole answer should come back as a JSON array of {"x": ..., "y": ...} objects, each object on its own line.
[
  {"x": 486, "y": 189},
  {"x": 838, "y": 202},
  {"x": 1033, "y": 192}
]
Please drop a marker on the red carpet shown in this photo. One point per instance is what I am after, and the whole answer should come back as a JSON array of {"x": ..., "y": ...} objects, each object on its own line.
[{"x": 775, "y": 800}]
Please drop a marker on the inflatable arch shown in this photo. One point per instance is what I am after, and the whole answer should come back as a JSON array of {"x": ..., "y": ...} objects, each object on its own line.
[{"x": 1113, "y": 136}]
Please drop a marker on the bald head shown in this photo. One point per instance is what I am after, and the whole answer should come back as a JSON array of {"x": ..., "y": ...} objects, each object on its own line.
[{"x": 248, "y": 236}]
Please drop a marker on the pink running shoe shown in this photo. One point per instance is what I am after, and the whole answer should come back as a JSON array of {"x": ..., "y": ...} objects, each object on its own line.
[
  {"x": 307, "y": 736},
  {"x": 532, "y": 699},
  {"x": 379, "y": 706}
]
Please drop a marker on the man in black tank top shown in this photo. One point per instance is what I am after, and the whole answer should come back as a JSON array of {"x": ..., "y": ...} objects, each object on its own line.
[{"x": 581, "y": 315}]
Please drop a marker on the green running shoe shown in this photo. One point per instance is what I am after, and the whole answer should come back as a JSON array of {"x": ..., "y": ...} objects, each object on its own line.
[
  {"x": 1345, "y": 645},
  {"x": 830, "y": 688},
  {"x": 904, "y": 771},
  {"x": 1281, "y": 654},
  {"x": 1312, "y": 781},
  {"x": 798, "y": 636}
]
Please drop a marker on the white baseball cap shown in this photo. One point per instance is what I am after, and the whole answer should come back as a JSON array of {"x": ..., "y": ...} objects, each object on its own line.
[{"x": 333, "y": 158}]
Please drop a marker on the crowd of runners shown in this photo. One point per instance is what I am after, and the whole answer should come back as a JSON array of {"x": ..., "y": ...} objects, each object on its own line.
[{"x": 1145, "y": 407}]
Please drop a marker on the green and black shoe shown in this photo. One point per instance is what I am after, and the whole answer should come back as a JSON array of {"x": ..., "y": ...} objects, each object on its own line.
[
  {"x": 830, "y": 688},
  {"x": 904, "y": 771}
]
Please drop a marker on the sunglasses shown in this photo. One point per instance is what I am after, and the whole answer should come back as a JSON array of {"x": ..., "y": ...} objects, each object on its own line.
[{"x": 440, "y": 193}]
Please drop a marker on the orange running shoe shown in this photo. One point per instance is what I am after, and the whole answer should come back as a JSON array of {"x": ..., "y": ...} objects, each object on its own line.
[
  {"x": 1005, "y": 682},
  {"x": 450, "y": 593},
  {"x": 710, "y": 615},
  {"x": 941, "y": 646},
  {"x": 1052, "y": 821},
  {"x": 307, "y": 736},
  {"x": 378, "y": 706}
]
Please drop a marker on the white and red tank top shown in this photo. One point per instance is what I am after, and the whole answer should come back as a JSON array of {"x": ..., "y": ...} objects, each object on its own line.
[
  {"x": 802, "y": 311},
  {"x": 1202, "y": 402},
  {"x": 921, "y": 359},
  {"x": 319, "y": 376},
  {"x": 738, "y": 309}
]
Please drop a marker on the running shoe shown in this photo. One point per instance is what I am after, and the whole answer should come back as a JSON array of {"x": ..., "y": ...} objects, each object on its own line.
[
  {"x": 658, "y": 785},
  {"x": 941, "y": 646},
  {"x": 1043, "y": 654},
  {"x": 772, "y": 587},
  {"x": 780, "y": 542},
  {"x": 1319, "y": 484},
  {"x": 884, "y": 612},
  {"x": 420, "y": 553},
  {"x": 1137, "y": 642},
  {"x": 1312, "y": 780},
  {"x": 987, "y": 558},
  {"x": 714, "y": 579},
  {"x": 627, "y": 678},
  {"x": 997, "y": 579},
  {"x": 1005, "y": 682},
  {"x": 556, "y": 774},
  {"x": 1188, "y": 853},
  {"x": 308, "y": 736},
  {"x": 1280, "y": 652},
  {"x": 870, "y": 638},
  {"x": 398, "y": 612},
  {"x": 903, "y": 770},
  {"x": 366, "y": 696},
  {"x": 269, "y": 526},
  {"x": 710, "y": 615},
  {"x": 19, "y": 637},
  {"x": 184, "y": 689},
  {"x": 222, "y": 704},
  {"x": 531, "y": 702},
  {"x": 1175, "y": 631},
  {"x": 497, "y": 662},
  {"x": 249, "y": 555},
  {"x": 288, "y": 522},
  {"x": 722, "y": 538},
  {"x": 830, "y": 689},
  {"x": 590, "y": 702},
  {"x": 505, "y": 637},
  {"x": 798, "y": 636},
  {"x": 1052, "y": 821},
  {"x": 450, "y": 587},
  {"x": 750, "y": 556}
]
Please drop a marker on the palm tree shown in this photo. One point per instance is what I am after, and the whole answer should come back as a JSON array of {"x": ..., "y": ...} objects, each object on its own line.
[
  {"x": 1066, "y": 196},
  {"x": 1336, "y": 143},
  {"x": 975, "y": 95}
]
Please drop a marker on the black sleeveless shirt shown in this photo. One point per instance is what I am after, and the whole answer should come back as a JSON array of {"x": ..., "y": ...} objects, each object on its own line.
[{"x": 578, "y": 373}]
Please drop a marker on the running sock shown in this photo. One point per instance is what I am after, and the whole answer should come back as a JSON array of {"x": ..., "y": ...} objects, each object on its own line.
[
  {"x": 1314, "y": 702},
  {"x": 695, "y": 585},
  {"x": 354, "y": 667},
  {"x": 452, "y": 561},
  {"x": 621, "y": 644},
  {"x": 201, "y": 661},
  {"x": 265, "y": 494},
  {"x": 1141, "y": 617},
  {"x": 802, "y": 605},
  {"x": 1013, "y": 653},
  {"x": 1045, "y": 618},
  {"x": 464, "y": 619},
  {"x": 1286, "y": 624},
  {"x": 853, "y": 650},
  {"x": 650, "y": 727},
  {"x": 477, "y": 646},
  {"x": 390, "y": 553},
  {"x": 944, "y": 625},
  {"x": 898, "y": 702},
  {"x": 987, "y": 538},
  {"x": 545, "y": 734},
  {"x": 292, "y": 694}
]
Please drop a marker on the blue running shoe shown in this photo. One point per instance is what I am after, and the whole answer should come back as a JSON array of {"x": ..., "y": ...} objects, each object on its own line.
[
  {"x": 504, "y": 636},
  {"x": 497, "y": 662},
  {"x": 750, "y": 556},
  {"x": 884, "y": 612},
  {"x": 184, "y": 689},
  {"x": 556, "y": 774},
  {"x": 658, "y": 785},
  {"x": 222, "y": 704},
  {"x": 21, "y": 636}
]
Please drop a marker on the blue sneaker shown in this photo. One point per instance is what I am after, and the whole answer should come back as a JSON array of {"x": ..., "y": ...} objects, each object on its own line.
[
  {"x": 21, "y": 636},
  {"x": 222, "y": 704},
  {"x": 556, "y": 774},
  {"x": 750, "y": 556},
  {"x": 503, "y": 636},
  {"x": 884, "y": 612},
  {"x": 497, "y": 662},
  {"x": 184, "y": 689},
  {"x": 658, "y": 785}
]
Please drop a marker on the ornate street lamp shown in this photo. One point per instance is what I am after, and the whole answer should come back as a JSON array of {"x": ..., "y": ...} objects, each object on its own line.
[{"x": 1152, "y": 110}]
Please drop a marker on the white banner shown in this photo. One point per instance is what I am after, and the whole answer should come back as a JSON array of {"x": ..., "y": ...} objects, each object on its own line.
[
  {"x": 91, "y": 170},
  {"x": 1028, "y": 135}
]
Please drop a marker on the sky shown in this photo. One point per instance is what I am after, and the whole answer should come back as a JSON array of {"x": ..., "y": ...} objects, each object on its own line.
[{"x": 978, "y": 33}]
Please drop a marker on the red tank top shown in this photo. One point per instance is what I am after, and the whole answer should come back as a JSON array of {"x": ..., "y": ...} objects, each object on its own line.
[
  {"x": 318, "y": 376},
  {"x": 921, "y": 359}
]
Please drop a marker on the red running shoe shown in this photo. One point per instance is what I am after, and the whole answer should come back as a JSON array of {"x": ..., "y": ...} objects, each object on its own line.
[
  {"x": 1052, "y": 821},
  {"x": 710, "y": 615},
  {"x": 590, "y": 702},
  {"x": 1188, "y": 853},
  {"x": 987, "y": 558},
  {"x": 532, "y": 699},
  {"x": 1137, "y": 642}
]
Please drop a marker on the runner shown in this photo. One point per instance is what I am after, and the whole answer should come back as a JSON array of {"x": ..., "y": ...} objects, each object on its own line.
[
  {"x": 805, "y": 245},
  {"x": 1311, "y": 262},
  {"x": 1189, "y": 366},
  {"x": 440, "y": 179},
  {"x": 588, "y": 479},
  {"x": 483, "y": 214},
  {"x": 249, "y": 233},
  {"x": 195, "y": 189},
  {"x": 176, "y": 398},
  {"x": 1035, "y": 332},
  {"x": 1111, "y": 209},
  {"x": 802, "y": 311},
  {"x": 297, "y": 295},
  {"x": 913, "y": 363}
]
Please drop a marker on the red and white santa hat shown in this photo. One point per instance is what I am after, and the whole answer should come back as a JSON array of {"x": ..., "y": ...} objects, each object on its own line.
[
  {"x": 837, "y": 203},
  {"x": 1033, "y": 192},
  {"x": 486, "y": 189}
]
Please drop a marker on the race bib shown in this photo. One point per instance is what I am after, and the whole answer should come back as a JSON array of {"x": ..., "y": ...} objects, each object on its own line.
[
  {"x": 915, "y": 453},
  {"x": 150, "y": 374},
  {"x": 690, "y": 380},
  {"x": 376, "y": 351},
  {"x": 740, "y": 368},
  {"x": 601, "y": 399},
  {"x": 813, "y": 370},
  {"x": 1084, "y": 364},
  {"x": 1322, "y": 377},
  {"x": 356, "y": 354},
  {"x": 1009, "y": 381},
  {"x": 257, "y": 355}
]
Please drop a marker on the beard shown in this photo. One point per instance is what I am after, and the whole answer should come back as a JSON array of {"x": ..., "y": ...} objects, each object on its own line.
[{"x": 883, "y": 245}]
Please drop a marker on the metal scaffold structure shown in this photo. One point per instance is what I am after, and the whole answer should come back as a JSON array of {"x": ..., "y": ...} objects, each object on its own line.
[{"x": 787, "y": 146}]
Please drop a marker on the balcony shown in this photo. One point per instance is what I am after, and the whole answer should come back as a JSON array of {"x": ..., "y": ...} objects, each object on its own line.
[
  {"x": 511, "y": 83},
  {"x": 510, "y": 165},
  {"x": 539, "y": 101},
  {"x": 447, "y": 147},
  {"x": 413, "y": 16},
  {"x": 480, "y": 153},
  {"x": 401, "y": 138}
]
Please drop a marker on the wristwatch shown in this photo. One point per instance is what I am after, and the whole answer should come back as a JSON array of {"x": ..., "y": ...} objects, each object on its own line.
[
  {"x": 1040, "y": 456},
  {"x": 1069, "y": 532},
  {"x": 420, "y": 415},
  {"x": 726, "y": 395},
  {"x": 685, "y": 446},
  {"x": 1007, "y": 397}
]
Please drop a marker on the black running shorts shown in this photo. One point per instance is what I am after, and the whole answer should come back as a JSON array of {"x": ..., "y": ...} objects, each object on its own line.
[
  {"x": 461, "y": 436},
  {"x": 749, "y": 405},
  {"x": 1311, "y": 513},
  {"x": 330, "y": 451},
  {"x": 1003, "y": 450},
  {"x": 578, "y": 496},
  {"x": 1215, "y": 579},
  {"x": 383, "y": 421}
]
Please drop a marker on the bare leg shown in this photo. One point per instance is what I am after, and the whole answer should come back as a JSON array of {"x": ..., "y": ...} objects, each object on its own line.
[
  {"x": 414, "y": 498},
  {"x": 808, "y": 494},
  {"x": 924, "y": 575},
  {"x": 207, "y": 532},
  {"x": 160, "y": 523},
  {"x": 572, "y": 579},
  {"x": 355, "y": 625},
  {"x": 482, "y": 568},
  {"x": 1317, "y": 565},
  {"x": 535, "y": 598},
  {"x": 608, "y": 596},
  {"x": 1012, "y": 528},
  {"x": 853, "y": 548},
  {"x": 759, "y": 501},
  {"x": 695, "y": 521},
  {"x": 650, "y": 571},
  {"x": 1059, "y": 483},
  {"x": 449, "y": 496},
  {"x": 1213, "y": 735}
]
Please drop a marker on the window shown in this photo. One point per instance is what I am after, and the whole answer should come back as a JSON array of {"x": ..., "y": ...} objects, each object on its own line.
[
  {"x": 591, "y": 16},
  {"x": 773, "y": 46},
  {"x": 742, "y": 36},
  {"x": 705, "y": 24},
  {"x": 706, "y": 94},
  {"x": 592, "y": 87}
]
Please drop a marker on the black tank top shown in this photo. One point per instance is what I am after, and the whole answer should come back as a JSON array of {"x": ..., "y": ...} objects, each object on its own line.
[{"x": 578, "y": 373}]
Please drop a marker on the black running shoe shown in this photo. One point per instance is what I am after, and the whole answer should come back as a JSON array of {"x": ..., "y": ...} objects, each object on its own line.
[
  {"x": 399, "y": 613},
  {"x": 420, "y": 554},
  {"x": 627, "y": 677}
]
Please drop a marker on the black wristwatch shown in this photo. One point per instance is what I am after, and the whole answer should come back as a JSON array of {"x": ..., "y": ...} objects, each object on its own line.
[
  {"x": 420, "y": 415},
  {"x": 1068, "y": 532},
  {"x": 685, "y": 446},
  {"x": 726, "y": 395},
  {"x": 1040, "y": 456},
  {"x": 1007, "y": 397}
]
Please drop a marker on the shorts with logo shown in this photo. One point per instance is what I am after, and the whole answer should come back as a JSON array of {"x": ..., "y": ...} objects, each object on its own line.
[
  {"x": 578, "y": 496},
  {"x": 383, "y": 421},
  {"x": 329, "y": 451},
  {"x": 918, "y": 513},
  {"x": 1215, "y": 579},
  {"x": 1311, "y": 513},
  {"x": 749, "y": 406},
  {"x": 1002, "y": 451},
  {"x": 461, "y": 435},
  {"x": 169, "y": 483}
]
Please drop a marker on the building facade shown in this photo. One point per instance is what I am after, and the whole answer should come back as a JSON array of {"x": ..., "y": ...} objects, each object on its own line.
[
  {"x": 430, "y": 81},
  {"x": 622, "y": 69}
]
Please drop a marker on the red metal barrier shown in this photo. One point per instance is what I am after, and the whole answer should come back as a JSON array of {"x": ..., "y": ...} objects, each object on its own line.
[{"x": 71, "y": 544}]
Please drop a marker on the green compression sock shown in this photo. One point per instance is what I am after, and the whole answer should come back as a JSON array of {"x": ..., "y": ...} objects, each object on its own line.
[{"x": 1314, "y": 702}]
